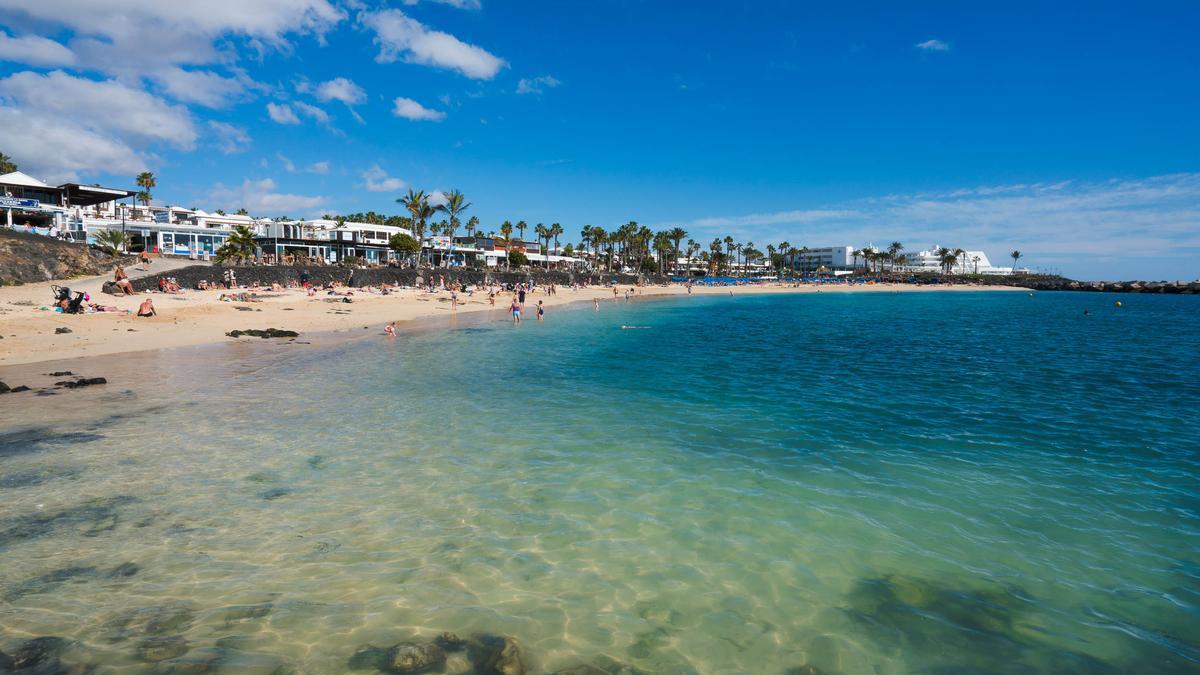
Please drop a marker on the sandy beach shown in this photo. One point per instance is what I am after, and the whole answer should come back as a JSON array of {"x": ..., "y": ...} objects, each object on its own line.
[{"x": 28, "y": 326}]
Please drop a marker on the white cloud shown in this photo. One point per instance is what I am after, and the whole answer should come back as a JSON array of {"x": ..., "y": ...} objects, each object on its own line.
[
  {"x": 282, "y": 113},
  {"x": 260, "y": 197},
  {"x": 200, "y": 86},
  {"x": 933, "y": 46},
  {"x": 437, "y": 198},
  {"x": 34, "y": 50},
  {"x": 375, "y": 179},
  {"x": 341, "y": 89},
  {"x": 410, "y": 109},
  {"x": 127, "y": 112},
  {"x": 288, "y": 165},
  {"x": 269, "y": 20},
  {"x": 312, "y": 112},
  {"x": 230, "y": 139},
  {"x": 399, "y": 36},
  {"x": 461, "y": 4},
  {"x": 318, "y": 167},
  {"x": 57, "y": 150},
  {"x": 536, "y": 85}
]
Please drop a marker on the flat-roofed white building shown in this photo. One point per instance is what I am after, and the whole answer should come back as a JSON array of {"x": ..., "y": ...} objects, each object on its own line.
[{"x": 969, "y": 262}]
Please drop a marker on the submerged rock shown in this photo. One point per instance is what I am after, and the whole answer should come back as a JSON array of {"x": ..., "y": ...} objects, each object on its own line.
[
  {"x": 6, "y": 663},
  {"x": 275, "y": 493},
  {"x": 154, "y": 649},
  {"x": 413, "y": 657},
  {"x": 242, "y": 613},
  {"x": 126, "y": 569},
  {"x": 41, "y": 653},
  {"x": 369, "y": 658},
  {"x": 450, "y": 642},
  {"x": 90, "y": 518},
  {"x": 601, "y": 665},
  {"x": 47, "y": 582},
  {"x": 496, "y": 655},
  {"x": 149, "y": 621}
]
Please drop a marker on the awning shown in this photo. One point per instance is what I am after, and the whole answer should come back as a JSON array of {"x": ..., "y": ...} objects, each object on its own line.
[{"x": 90, "y": 195}]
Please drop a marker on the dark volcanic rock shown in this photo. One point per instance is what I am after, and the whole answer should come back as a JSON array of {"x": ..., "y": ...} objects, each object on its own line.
[
  {"x": 60, "y": 373},
  {"x": 450, "y": 642},
  {"x": 124, "y": 570},
  {"x": 37, "y": 476},
  {"x": 148, "y": 621},
  {"x": 41, "y": 653},
  {"x": 275, "y": 493},
  {"x": 82, "y": 382},
  {"x": 268, "y": 333},
  {"x": 414, "y": 657},
  {"x": 243, "y": 613},
  {"x": 4, "y": 388},
  {"x": 90, "y": 519},
  {"x": 6, "y": 663},
  {"x": 156, "y": 649},
  {"x": 62, "y": 330},
  {"x": 47, "y": 582},
  {"x": 496, "y": 655},
  {"x": 19, "y": 389}
]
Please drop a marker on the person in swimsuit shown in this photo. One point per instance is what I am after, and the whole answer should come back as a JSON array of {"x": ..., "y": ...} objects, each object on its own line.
[
  {"x": 390, "y": 329},
  {"x": 521, "y": 296},
  {"x": 516, "y": 311},
  {"x": 147, "y": 308},
  {"x": 541, "y": 311},
  {"x": 122, "y": 281},
  {"x": 596, "y": 302}
]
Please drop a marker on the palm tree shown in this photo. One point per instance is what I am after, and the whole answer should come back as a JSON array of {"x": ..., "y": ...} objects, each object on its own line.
[
  {"x": 1015, "y": 255},
  {"x": 894, "y": 250},
  {"x": 240, "y": 246},
  {"x": 146, "y": 181},
  {"x": 7, "y": 165},
  {"x": 417, "y": 203},
  {"x": 960, "y": 257},
  {"x": 243, "y": 212},
  {"x": 112, "y": 241},
  {"x": 521, "y": 228},
  {"x": 455, "y": 204},
  {"x": 555, "y": 231},
  {"x": 472, "y": 226},
  {"x": 541, "y": 230},
  {"x": 785, "y": 249}
]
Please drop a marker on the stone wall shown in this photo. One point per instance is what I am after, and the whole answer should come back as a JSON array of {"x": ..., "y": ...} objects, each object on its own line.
[{"x": 265, "y": 275}]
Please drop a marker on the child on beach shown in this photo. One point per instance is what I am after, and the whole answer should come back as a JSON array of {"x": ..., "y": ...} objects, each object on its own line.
[
  {"x": 541, "y": 311},
  {"x": 390, "y": 329}
]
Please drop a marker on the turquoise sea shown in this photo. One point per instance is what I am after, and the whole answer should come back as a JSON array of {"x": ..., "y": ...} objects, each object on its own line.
[{"x": 833, "y": 483}]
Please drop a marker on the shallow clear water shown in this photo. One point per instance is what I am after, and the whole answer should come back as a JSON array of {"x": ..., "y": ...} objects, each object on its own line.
[{"x": 869, "y": 483}]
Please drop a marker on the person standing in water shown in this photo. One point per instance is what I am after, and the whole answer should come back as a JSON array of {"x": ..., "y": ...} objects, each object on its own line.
[
  {"x": 521, "y": 295},
  {"x": 516, "y": 310},
  {"x": 541, "y": 311},
  {"x": 596, "y": 302}
]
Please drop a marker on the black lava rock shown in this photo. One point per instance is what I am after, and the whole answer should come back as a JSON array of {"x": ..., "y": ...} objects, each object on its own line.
[
  {"x": 268, "y": 333},
  {"x": 450, "y": 642},
  {"x": 410, "y": 658},
  {"x": 155, "y": 649},
  {"x": 62, "y": 330},
  {"x": 82, "y": 382},
  {"x": 42, "y": 651},
  {"x": 4, "y": 388},
  {"x": 496, "y": 655}
]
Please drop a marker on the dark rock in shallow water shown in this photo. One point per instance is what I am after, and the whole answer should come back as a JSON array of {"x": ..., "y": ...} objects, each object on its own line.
[
  {"x": 36, "y": 439},
  {"x": 60, "y": 373},
  {"x": 47, "y": 582},
  {"x": 369, "y": 658},
  {"x": 90, "y": 518},
  {"x": 146, "y": 621},
  {"x": 450, "y": 642},
  {"x": 6, "y": 663},
  {"x": 316, "y": 461},
  {"x": 4, "y": 388},
  {"x": 268, "y": 333},
  {"x": 496, "y": 655},
  {"x": 156, "y": 649},
  {"x": 275, "y": 493},
  {"x": 36, "y": 476},
  {"x": 127, "y": 569},
  {"x": 81, "y": 382},
  {"x": 18, "y": 389},
  {"x": 410, "y": 658},
  {"x": 242, "y": 613},
  {"x": 39, "y": 653}
]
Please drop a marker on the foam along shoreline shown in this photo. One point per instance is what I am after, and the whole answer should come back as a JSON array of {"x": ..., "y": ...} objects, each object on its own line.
[{"x": 31, "y": 334}]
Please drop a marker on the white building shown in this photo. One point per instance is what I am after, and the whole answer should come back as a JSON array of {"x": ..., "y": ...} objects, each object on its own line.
[
  {"x": 969, "y": 262},
  {"x": 829, "y": 257}
]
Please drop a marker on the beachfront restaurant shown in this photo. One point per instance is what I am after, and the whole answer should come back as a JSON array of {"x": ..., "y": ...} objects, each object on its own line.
[
  {"x": 29, "y": 203},
  {"x": 327, "y": 241}
]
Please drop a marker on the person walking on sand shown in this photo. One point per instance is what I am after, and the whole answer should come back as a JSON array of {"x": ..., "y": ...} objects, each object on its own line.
[
  {"x": 516, "y": 311},
  {"x": 145, "y": 258},
  {"x": 521, "y": 295},
  {"x": 541, "y": 311}
]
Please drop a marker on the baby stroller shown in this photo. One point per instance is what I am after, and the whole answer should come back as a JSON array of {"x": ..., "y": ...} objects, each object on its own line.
[{"x": 63, "y": 293}]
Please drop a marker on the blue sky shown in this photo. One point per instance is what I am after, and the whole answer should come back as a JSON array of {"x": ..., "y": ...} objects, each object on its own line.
[{"x": 1068, "y": 132}]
